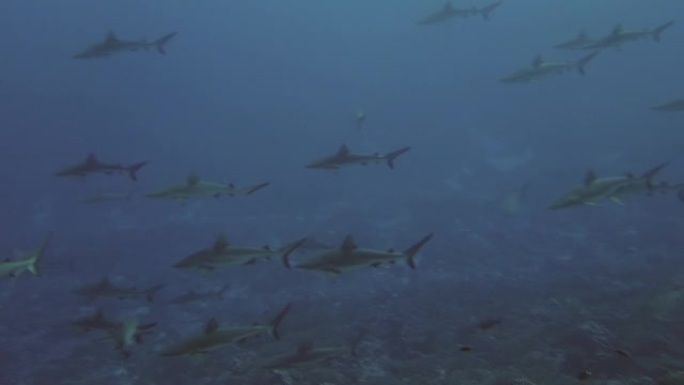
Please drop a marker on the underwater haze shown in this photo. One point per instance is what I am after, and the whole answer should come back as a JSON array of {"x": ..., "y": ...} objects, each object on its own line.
[{"x": 474, "y": 192}]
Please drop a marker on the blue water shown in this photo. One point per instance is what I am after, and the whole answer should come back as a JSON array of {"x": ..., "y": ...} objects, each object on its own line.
[{"x": 251, "y": 92}]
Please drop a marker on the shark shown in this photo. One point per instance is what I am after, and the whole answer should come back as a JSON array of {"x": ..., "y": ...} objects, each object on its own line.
[
  {"x": 541, "y": 68},
  {"x": 350, "y": 257},
  {"x": 106, "y": 289},
  {"x": 128, "y": 333},
  {"x": 449, "y": 12},
  {"x": 200, "y": 296},
  {"x": 30, "y": 262},
  {"x": 578, "y": 42},
  {"x": 92, "y": 165},
  {"x": 595, "y": 189},
  {"x": 194, "y": 187},
  {"x": 306, "y": 355},
  {"x": 670, "y": 106},
  {"x": 106, "y": 197},
  {"x": 215, "y": 337},
  {"x": 112, "y": 45},
  {"x": 618, "y": 36},
  {"x": 222, "y": 254},
  {"x": 344, "y": 157}
]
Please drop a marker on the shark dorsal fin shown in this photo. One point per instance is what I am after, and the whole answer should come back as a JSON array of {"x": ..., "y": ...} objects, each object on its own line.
[
  {"x": 105, "y": 282},
  {"x": 582, "y": 35},
  {"x": 221, "y": 243},
  {"x": 304, "y": 348},
  {"x": 390, "y": 250},
  {"x": 343, "y": 151},
  {"x": 91, "y": 159},
  {"x": 212, "y": 326},
  {"x": 589, "y": 178},
  {"x": 267, "y": 247},
  {"x": 629, "y": 175},
  {"x": 192, "y": 179},
  {"x": 111, "y": 37},
  {"x": 348, "y": 245},
  {"x": 617, "y": 29},
  {"x": 538, "y": 61}
]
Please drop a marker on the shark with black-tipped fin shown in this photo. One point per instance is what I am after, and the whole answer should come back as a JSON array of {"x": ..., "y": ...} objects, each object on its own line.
[
  {"x": 344, "y": 157},
  {"x": 216, "y": 337},
  {"x": 92, "y": 165},
  {"x": 194, "y": 187},
  {"x": 350, "y": 257},
  {"x": 106, "y": 289},
  {"x": 112, "y": 45},
  {"x": 449, "y": 12},
  {"x": 595, "y": 189},
  {"x": 223, "y": 254},
  {"x": 541, "y": 68},
  {"x": 619, "y": 36}
]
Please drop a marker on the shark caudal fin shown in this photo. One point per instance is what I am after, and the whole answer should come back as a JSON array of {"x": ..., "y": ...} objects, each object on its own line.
[
  {"x": 582, "y": 63},
  {"x": 289, "y": 249},
  {"x": 255, "y": 188},
  {"x": 658, "y": 30},
  {"x": 413, "y": 250},
  {"x": 134, "y": 168},
  {"x": 149, "y": 293},
  {"x": 394, "y": 155},
  {"x": 37, "y": 255},
  {"x": 274, "y": 325},
  {"x": 650, "y": 174},
  {"x": 485, "y": 11},
  {"x": 161, "y": 42}
]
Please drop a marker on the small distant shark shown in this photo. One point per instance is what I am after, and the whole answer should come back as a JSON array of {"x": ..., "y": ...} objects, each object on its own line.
[
  {"x": 541, "y": 68},
  {"x": 344, "y": 157},
  {"x": 670, "y": 106},
  {"x": 112, "y": 45},
  {"x": 106, "y": 197},
  {"x": 449, "y": 12},
  {"x": 200, "y": 296},
  {"x": 618, "y": 36},
  {"x": 578, "y": 42},
  {"x": 307, "y": 355},
  {"x": 222, "y": 254},
  {"x": 215, "y": 337},
  {"x": 93, "y": 166},
  {"x": 106, "y": 289},
  {"x": 194, "y": 187},
  {"x": 350, "y": 257},
  {"x": 597, "y": 189},
  {"x": 13, "y": 268}
]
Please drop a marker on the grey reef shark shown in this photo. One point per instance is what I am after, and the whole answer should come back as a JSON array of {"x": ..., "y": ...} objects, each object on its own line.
[
  {"x": 92, "y": 165},
  {"x": 540, "y": 68},
  {"x": 112, "y": 45},
  {"x": 194, "y": 187},
  {"x": 449, "y": 12},
  {"x": 344, "y": 158},
  {"x": 619, "y": 36}
]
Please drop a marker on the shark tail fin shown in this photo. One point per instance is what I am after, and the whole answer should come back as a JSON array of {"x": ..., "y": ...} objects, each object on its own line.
[
  {"x": 134, "y": 168},
  {"x": 161, "y": 42},
  {"x": 650, "y": 174},
  {"x": 289, "y": 249},
  {"x": 274, "y": 325},
  {"x": 413, "y": 250},
  {"x": 150, "y": 293},
  {"x": 37, "y": 255},
  {"x": 582, "y": 63},
  {"x": 486, "y": 11},
  {"x": 657, "y": 31},
  {"x": 256, "y": 188},
  {"x": 394, "y": 155}
]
